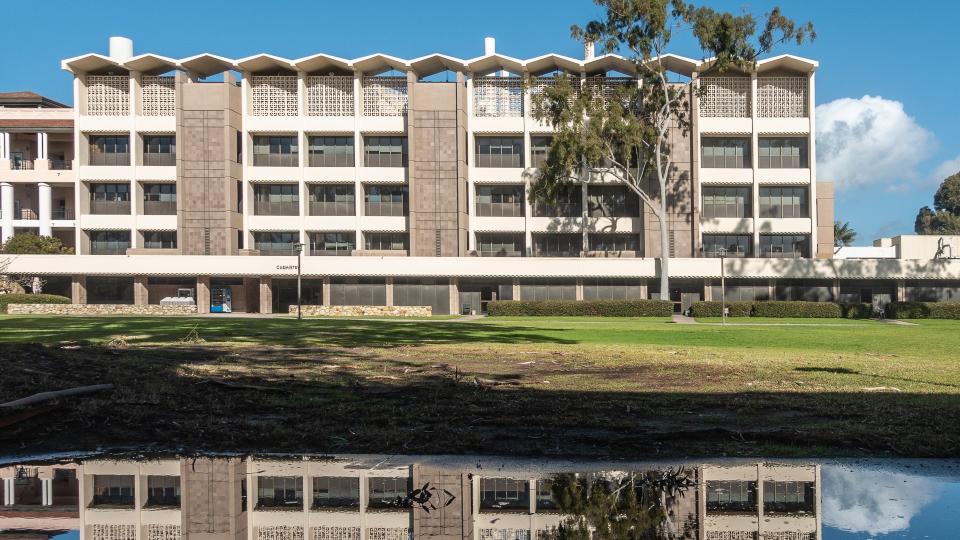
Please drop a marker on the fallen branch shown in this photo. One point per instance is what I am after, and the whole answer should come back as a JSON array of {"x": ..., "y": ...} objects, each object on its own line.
[{"x": 56, "y": 394}]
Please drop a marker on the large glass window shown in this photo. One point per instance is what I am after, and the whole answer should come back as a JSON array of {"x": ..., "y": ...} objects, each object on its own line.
[
  {"x": 499, "y": 151},
  {"x": 332, "y": 243},
  {"x": 557, "y": 245},
  {"x": 332, "y": 200},
  {"x": 734, "y": 496},
  {"x": 163, "y": 491},
  {"x": 740, "y": 290},
  {"x": 611, "y": 289},
  {"x": 109, "y": 290},
  {"x": 385, "y": 200},
  {"x": 499, "y": 201},
  {"x": 110, "y": 150},
  {"x": 385, "y": 151},
  {"x": 614, "y": 242},
  {"x": 358, "y": 292},
  {"x": 500, "y": 245},
  {"x": 336, "y": 492},
  {"x": 723, "y": 153},
  {"x": 336, "y": 151},
  {"x": 276, "y": 242},
  {"x": 387, "y": 492},
  {"x": 113, "y": 490},
  {"x": 612, "y": 201},
  {"x": 504, "y": 494},
  {"x": 276, "y": 200},
  {"x": 727, "y": 202},
  {"x": 385, "y": 241},
  {"x": 539, "y": 150},
  {"x": 782, "y": 153},
  {"x": 280, "y": 492},
  {"x": 159, "y": 199},
  {"x": 734, "y": 245},
  {"x": 110, "y": 199},
  {"x": 789, "y": 497},
  {"x": 791, "y": 246},
  {"x": 567, "y": 202},
  {"x": 275, "y": 151},
  {"x": 109, "y": 242},
  {"x": 160, "y": 239},
  {"x": 159, "y": 150},
  {"x": 784, "y": 202},
  {"x": 547, "y": 289}
]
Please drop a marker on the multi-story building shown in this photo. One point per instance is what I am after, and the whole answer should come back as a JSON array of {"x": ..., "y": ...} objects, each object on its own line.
[{"x": 407, "y": 182}]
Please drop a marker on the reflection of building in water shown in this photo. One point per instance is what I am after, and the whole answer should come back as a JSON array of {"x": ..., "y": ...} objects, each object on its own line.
[{"x": 360, "y": 499}]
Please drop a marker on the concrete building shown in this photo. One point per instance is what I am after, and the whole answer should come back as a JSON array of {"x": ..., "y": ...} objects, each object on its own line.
[{"x": 407, "y": 183}]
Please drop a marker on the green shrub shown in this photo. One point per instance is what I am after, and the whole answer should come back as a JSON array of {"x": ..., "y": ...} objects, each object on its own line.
[
  {"x": 20, "y": 298},
  {"x": 581, "y": 308},
  {"x": 923, "y": 310},
  {"x": 781, "y": 309},
  {"x": 714, "y": 309},
  {"x": 856, "y": 311}
]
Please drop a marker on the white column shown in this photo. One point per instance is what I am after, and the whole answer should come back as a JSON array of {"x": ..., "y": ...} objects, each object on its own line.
[
  {"x": 135, "y": 153},
  {"x": 812, "y": 163},
  {"x": 46, "y": 488},
  {"x": 357, "y": 159},
  {"x": 42, "y": 146},
  {"x": 6, "y": 211},
  {"x": 754, "y": 163},
  {"x": 45, "y": 195},
  {"x": 8, "y": 490},
  {"x": 471, "y": 191},
  {"x": 4, "y": 146}
]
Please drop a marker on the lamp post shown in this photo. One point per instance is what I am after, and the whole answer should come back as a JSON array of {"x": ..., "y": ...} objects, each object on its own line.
[
  {"x": 299, "y": 247},
  {"x": 723, "y": 288}
]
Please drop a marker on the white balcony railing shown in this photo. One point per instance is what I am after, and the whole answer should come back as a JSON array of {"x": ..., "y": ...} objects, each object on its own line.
[
  {"x": 497, "y": 96},
  {"x": 330, "y": 95},
  {"x": 108, "y": 95},
  {"x": 384, "y": 96},
  {"x": 274, "y": 95},
  {"x": 159, "y": 96},
  {"x": 725, "y": 97},
  {"x": 782, "y": 97}
]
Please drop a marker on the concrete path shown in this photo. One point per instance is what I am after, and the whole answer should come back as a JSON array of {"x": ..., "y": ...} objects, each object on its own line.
[{"x": 683, "y": 319}]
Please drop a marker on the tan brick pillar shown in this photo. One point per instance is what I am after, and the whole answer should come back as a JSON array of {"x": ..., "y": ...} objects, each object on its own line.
[
  {"x": 78, "y": 289},
  {"x": 203, "y": 294},
  {"x": 835, "y": 289},
  {"x": 516, "y": 289},
  {"x": 578, "y": 290},
  {"x": 901, "y": 290},
  {"x": 454, "y": 289},
  {"x": 644, "y": 289},
  {"x": 326, "y": 291},
  {"x": 266, "y": 294},
  {"x": 707, "y": 290},
  {"x": 141, "y": 296},
  {"x": 389, "y": 285}
]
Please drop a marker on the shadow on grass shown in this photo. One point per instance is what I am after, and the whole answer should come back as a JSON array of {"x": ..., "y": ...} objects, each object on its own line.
[
  {"x": 886, "y": 378},
  {"x": 344, "y": 401}
]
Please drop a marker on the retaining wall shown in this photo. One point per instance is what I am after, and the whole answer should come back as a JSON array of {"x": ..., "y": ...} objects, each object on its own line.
[
  {"x": 364, "y": 311},
  {"x": 99, "y": 309}
]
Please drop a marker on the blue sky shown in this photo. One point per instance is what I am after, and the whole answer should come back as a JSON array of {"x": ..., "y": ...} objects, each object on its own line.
[{"x": 887, "y": 154}]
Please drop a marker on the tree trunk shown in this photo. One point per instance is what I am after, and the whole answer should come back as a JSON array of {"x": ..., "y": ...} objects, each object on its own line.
[{"x": 664, "y": 256}]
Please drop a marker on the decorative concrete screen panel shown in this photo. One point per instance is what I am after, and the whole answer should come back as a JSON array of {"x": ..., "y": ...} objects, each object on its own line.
[
  {"x": 108, "y": 95},
  {"x": 607, "y": 88},
  {"x": 335, "y": 533},
  {"x": 782, "y": 97},
  {"x": 384, "y": 533},
  {"x": 113, "y": 532},
  {"x": 163, "y": 532},
  {"x": 159, "y": 96},
  {"x": 274, "y": 95},
  {"x": 504, "y": 534},
  {"x": 497, "y": 96},
  {"x": 279, "y": 532},
  {"x": 385, "y": 96},
  {"x": 725, "y": 97},
  {"x": 330, "y": 95},
  {"x": 538, "y": 85}
]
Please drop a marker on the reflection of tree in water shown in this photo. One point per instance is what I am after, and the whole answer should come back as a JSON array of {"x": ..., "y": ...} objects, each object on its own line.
[{"x": 633, "y": 506}]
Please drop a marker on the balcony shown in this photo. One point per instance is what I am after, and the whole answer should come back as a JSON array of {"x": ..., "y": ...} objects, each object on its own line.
[
  {"x": 111, "y": 208},
  {"x": 159, "y": 96},
  {"x": 62, "y": 214},
  {"x": 384, "y": 96},
  {"x": 323, "y": 208},
  {"x": 21, "y": 164},
  {"x": 28, "y": 214},
  {"x": 108, "y": 95},
  {"x": 725, "y": 97},
  {"x": 330, "y": 95},
  {"x": 160, "y": 208},
  {"x": 274, "y": 95},
  {"x": 276, "y": 208},
  {"x": 277, "y": 251},
  {"x": 276, "y": 160},
  {"x": 60, "y": 165},
  {"x": 497, "y": 97},
  {"x": 113, "y": 159},
  {"x": 159, "y": 159},
  {"x": 499, "y": 209},
  {"x": 782, "y": 97},
  {"x": 109, "y": 248},
  {"x": 385, "y": 209}
]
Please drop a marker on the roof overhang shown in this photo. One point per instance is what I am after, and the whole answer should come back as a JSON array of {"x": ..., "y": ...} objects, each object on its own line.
[
  {"x": 788, "y": 61},
  {"x": 206, "y": 64},
  {"x": 378, "y": 63},
  {"x": 89, "y": 62},
  {"x": 676, "y": 64},
  {"x": 610, "y": 62},
  {"x": 151, "y": 64},
  {"x": 435, "y": 63},
  {"x": 553, "y": 62},
  {"x": 264, "y": 62},
  {"x": 322, "y": 62},
  {"x": 483, "y": 65}
]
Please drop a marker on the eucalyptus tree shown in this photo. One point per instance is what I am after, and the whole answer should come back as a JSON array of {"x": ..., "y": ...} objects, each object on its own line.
[{"x": 624, "y": 136}]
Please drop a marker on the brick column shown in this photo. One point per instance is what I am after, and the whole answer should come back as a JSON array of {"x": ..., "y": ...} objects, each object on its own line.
[
  {"x": 644, "y": 289},
  {"x": 836, "y": 290},
  {"x": 901, "y": 290},
  {"x": 266, "y": 294},
  {"x": 707, "y": 291},
  {"x": 389, "y": 286},
  {"x": 78, "y": 289},
  {"x": 454, "y": 289},
  {"x": 516, "y": 289},
  {"x": 203, "y": 294},
  {"x": 140, "y": 293},
  {"x": 578, "y": 294},
  {"x": 326, "y": 291}
]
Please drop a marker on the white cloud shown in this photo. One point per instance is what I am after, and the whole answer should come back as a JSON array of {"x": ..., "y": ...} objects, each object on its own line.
[
  {"x": 873, "y": 501},
  {"x": 870, "y": 140},
  {"x": 945, "y": 169}
]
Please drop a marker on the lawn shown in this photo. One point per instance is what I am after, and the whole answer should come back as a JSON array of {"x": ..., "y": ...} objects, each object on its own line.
[{"x": 535, "y": 386}]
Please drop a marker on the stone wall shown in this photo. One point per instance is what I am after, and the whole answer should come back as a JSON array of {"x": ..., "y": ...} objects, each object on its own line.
[
  {"x": 364, "y": 311},
  {"x": 99, "y": 309}
]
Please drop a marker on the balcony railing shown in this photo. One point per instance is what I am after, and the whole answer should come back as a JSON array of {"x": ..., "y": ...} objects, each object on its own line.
[
  {"x": 60, "y": 164},
  {"x": 109, "y": 248},
  {"x": 323, "y": 208},
  {"x": 160, "y": 208},
  {"x": 159, "y": 159},
  {"x": 330, "y": 95},
  {"x": 20, "y": 164},
  {"x": 272, "y": 208},
  {"x": 331, "y": 252},
  {"x": 385, "y": 209},
  {"x": 385, "y": 96},
  {"x": 113, "y": 159},
  {"x": 62, "y": 213},
  {"x": 499, "y": 210},
  {"x": 277, "y": 251},
  {"x": 112, "y": 208},
  {"x": 276, "y": 160},
  {"x": 500, "y": 253}
]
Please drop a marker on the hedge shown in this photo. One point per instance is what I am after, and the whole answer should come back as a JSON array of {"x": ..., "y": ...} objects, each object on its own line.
[
  {"x": 857, "y": 311},
  {"x": 923, "y": 310},
  {"x": 779, "y": 309},
  {"x": 22, "y": 298},
  {"x": 715, "y": 309},
  {"x": 581, "y": 308}
]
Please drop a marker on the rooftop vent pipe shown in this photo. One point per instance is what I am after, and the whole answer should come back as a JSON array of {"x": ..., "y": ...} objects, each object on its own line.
[
  {"x": 489, "y": 46},
  {"x": 121, "y": 48}
]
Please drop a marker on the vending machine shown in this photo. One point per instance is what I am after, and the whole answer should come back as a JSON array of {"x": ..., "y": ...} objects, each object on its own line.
[{"x": 221, "y": 300}]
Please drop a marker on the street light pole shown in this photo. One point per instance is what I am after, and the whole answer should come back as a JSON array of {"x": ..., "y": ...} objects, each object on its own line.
[
  {"x": 299, "y": 247},
  {"x": 723, "y": 288}
]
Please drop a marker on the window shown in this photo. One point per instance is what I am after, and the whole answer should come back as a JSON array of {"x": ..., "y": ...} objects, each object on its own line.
[
  {"x": 280, "y": 492},
  {"x": 731, "y": 496},
  {"x": 423, "y": 292},
  {"x": 784, "y": 202},
  {"x": 557, "y": 245},
  {"x": 788, "y": 497},
  {"x": 159, "y": 150},
  {"x": 384, "y": 492},
  {"x": 613, "y": 242},
  {"x": 160, "y": 239},
  {"x": 110, "y": 150},
  {"x": 499, "y": 201},
  {"x": 109, "y": 242},
  {"x": 276, "y": 200},
  {"x": 504, "y": 494},
  {"x": 110, "y": 199},
  {"x": 385, "y": 241},
  {"x": 545, "y": 495},
  {"x": 330, "y": 151},
  {"x": 275, "y": 243},
  {"x": 336, "y": 492},
  {"x": 547, "y": 289},
  {"x": 727, "y": 202},
  {"x": 612, "y": 201},
  {"x": 385, "y": 151},
  {"x": 735, "y": 245},
  {"x": 611, "y": 289},
  {"x": 539, "y": 150},
  {"x": 113, "y": 490},
  {"x": 499, "y": 152},
  {"x": 723, "y": 153},
  {"x": 791, "y": 246},
  {"x": 163, "y": 491},
  {"x": 567, "y": 202},
  {"x": 358, "y": 292},
  {"x": 740, "y": 290},
  {"x": 275, "y": 151},
  {"x": 788, "y": 153},
  {"x": 500, "y": 245},
  {"x": 387, "y": 200},
  {"x": 809, "y": 290},
  {"x": 159, "y": 199},
  {"x": 332, "y": 200},
  {"x": 109, "y": 290},
  {"x": 332, "y": 243}
]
